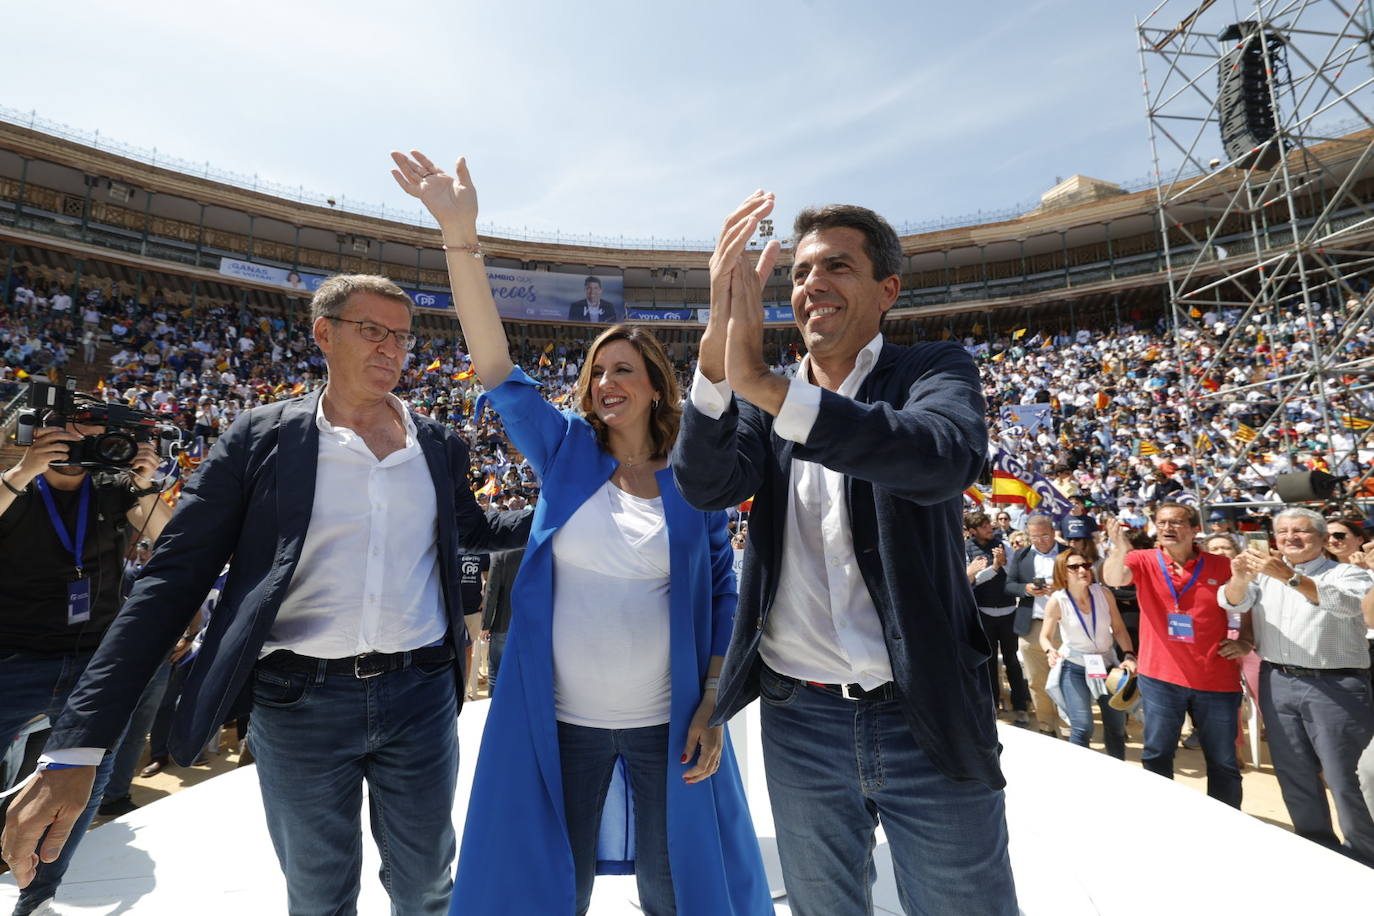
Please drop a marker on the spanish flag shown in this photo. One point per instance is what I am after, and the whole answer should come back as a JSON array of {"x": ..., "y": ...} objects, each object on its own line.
[
  {"x": 20, "y": 374},
  {"x": 1103, "y": 399},
  {"x": 100, "y": 385},
  {"x": 298, "y": 388},
  {"x": 1009, "y": 489},
  {"x": 975, "y": 494},
  {"x": 464, "y": 375},
  {"x": 549, "y": 347},
  {"x": 1194, "y": 312},
  {"x": 490, "y": 488},
  {"x": 1018, "y": 333},
  {"x": 998, "y": 357},
  {"x": 1245, "y": 433},
  {"x": 544, "y": 359},
  {"x": 433, "y": 367}
]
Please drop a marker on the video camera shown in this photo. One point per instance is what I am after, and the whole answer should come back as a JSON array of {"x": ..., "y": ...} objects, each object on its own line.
[{"x": 112, "y": 450}]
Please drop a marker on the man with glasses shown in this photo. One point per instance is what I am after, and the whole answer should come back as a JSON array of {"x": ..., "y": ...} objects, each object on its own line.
[
  {"x": 1029, "y": 581},
  {"x": 340, "y": 620},
  {"x": 1188, "y": 656},
  {"x": 1315, "y": 698}
]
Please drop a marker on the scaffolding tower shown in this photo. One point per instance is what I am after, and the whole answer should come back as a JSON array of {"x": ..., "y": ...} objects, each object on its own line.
[{"x": 1263, "y": 152}]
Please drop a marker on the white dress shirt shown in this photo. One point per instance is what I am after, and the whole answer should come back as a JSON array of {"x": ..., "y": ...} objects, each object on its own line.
[
  {"x": 368, "y": 577},
  {"x": 1290, "y": 630},
  {"x": 1044, "y": 570},
  {"x": 823, "y": 625}
]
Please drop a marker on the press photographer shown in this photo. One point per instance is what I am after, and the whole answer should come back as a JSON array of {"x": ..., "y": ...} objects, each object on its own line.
[{"x": 68, "y": 511}]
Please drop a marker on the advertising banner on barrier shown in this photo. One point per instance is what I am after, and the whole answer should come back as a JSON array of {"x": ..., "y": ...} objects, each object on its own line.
[{"x": 276, "y": 276}]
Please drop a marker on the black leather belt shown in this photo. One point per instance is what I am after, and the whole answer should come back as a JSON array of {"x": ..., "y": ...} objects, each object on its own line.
[
  {"x": 1297, "y": 671},
  {"x": 369, "y": 664}
]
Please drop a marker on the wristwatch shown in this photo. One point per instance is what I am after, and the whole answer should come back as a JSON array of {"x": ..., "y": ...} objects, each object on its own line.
[{"x": 1295, "y": 580}]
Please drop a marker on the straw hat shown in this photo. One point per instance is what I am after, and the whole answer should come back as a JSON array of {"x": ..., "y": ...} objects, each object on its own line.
[{"x": 1124, "y": 688}]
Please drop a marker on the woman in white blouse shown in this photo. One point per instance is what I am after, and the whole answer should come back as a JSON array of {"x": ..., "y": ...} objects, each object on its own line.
[
  {"x": 621, "y": 614},
  {"x": 1085, "y": 615}
]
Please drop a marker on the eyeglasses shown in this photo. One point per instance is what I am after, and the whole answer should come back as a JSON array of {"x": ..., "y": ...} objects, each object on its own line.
[
  {"x": 376, "y": 333},
  {"x": 1072, "y": 566}
]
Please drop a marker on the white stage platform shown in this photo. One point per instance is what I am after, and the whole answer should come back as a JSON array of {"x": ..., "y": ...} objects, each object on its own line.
[{"x": 1142, "y": 845}]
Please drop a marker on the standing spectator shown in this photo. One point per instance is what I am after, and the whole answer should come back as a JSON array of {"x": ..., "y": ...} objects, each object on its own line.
[
  {"x": 1187, "y": 660},
  {"x": 996, "y": 611},
  {"x": 497, "y": 608},
  {"x": 472, "y": 570},
  {"x": 1085, "y": 614},
  {"x": 1310, "y": 634},
  {"x": 1030, "y": 576}
]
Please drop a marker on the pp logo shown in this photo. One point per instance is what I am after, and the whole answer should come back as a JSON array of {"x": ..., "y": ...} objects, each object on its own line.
[{"x": 425, "y": 299}]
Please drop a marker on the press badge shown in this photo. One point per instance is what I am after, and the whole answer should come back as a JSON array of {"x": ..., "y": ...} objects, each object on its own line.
[
  {"x": 1095, "y": 666},
  {"x": 78, "y": 601},
  {"x": 1181, "y": 627}
]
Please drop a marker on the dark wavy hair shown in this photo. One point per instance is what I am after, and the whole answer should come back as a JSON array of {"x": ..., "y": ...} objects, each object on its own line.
[{"x": 663, "y": 419}]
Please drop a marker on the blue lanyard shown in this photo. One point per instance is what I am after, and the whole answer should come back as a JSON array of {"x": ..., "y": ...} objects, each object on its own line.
[
  {"x": 1169, "y": 579},
  {"x": 77, "y": 549},
  {"x": 1092, "y": 606}
]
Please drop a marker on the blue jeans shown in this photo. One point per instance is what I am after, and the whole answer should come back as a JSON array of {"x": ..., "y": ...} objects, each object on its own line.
[
  {"x": 836, "y": 768},
  {"x": 316, "y": 739},
  {"x": 136, "y": 736},
  {"x": 32, "y": 686},
  {"x": 587, "y": 759},
  {"x": 1078, "y": 696},
  {"x": 496, "y": 647},
  {"x": 1215, "y": 715}
]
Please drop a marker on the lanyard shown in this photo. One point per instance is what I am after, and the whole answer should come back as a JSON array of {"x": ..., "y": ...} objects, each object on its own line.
[
  {"x": 77, "y": 549},
  {"x": 1092, "y": 606},
  {"x": 1169, "y": 580}
]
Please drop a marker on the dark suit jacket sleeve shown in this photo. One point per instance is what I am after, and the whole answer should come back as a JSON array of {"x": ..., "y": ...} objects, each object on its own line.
[
  {"x": 928, "y": 450},
  {"x": 578, "y": 311},
  {"x": 478, "y": 531},
  {"x": 724, "y": 589},
  {"x": 720, "y": 463},
  {"x": 193, "y": 549},
  {"x": 503, "y": 567},
  {"x": 1019, "y": 573}
]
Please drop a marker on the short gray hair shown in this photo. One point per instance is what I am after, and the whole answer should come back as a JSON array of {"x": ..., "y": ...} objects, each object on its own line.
[
  {"x": 1316, "y": 518},
  {"x": 1040, "y": 520},
  {"x": 331, "y": 297}
]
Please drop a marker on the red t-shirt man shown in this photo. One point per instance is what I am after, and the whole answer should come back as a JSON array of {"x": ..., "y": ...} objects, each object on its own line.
[{"x": 1197, "y": 664}]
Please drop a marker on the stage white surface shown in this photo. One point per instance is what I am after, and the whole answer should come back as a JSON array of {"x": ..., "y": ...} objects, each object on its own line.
[{"x": 1088, "y": 835}]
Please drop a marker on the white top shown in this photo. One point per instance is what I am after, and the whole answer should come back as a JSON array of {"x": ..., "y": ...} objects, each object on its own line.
[
  {"x": 1074, "y": 637},
  {"x": 1290, "y": 630},
  {"x": 823, "y": 625},
  {"x": 368, "y": 577},
  {"x": 610, "y": 613}
]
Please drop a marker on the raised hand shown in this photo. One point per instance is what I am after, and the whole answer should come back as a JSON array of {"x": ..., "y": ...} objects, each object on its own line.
[
  {"x": 735, "y": 233},
  {"x": 452, "y": 201}
]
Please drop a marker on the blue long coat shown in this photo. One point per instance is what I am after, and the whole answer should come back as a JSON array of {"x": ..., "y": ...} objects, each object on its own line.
[{"x": 515, "y": 856}]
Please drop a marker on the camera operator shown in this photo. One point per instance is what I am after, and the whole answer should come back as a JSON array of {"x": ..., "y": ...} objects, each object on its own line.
[{"x": 54, "y": 607}]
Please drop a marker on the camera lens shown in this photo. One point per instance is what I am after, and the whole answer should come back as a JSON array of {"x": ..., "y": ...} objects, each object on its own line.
[{"x": 115, "y": 448}]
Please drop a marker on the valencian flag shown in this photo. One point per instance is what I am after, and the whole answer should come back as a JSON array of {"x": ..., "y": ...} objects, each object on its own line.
[
  {"x": 1350, "y": 421},
  {"x": 1203, "y": 443},
  {"x": 1145, "y": 448},
  {"x": 1245, "y": 433}
]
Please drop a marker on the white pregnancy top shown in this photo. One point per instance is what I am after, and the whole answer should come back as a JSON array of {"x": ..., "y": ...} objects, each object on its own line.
[{"x": 610, "y": 613}]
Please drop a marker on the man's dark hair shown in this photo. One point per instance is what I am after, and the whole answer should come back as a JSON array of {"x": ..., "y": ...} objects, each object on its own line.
[
  {"x": 881, "y": 245},
  {"x": 595, "y": 280},
  {"x": 1194, "y": 519}
]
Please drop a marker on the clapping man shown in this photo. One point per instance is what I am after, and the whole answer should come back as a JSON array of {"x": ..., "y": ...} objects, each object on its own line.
[{"x": 856, "y": 623}]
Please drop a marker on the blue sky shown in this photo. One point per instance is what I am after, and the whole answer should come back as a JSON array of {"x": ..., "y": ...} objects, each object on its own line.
[{"x": 641, "y": 119}]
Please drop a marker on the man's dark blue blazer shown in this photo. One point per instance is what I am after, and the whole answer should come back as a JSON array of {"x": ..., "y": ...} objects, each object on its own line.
[
  {"x": 251, "y": 500},
  {"x": 909, "y": 444}
]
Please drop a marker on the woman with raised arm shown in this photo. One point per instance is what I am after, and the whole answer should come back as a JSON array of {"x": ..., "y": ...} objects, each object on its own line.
[{"x": 622, "y": 611}]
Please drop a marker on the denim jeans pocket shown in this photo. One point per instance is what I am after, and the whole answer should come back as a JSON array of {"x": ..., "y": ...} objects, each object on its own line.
[
  {"x": 433, "y": 669},
  {"x": 279, "y": 689},
  {"x": 775, "y": 689}
]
